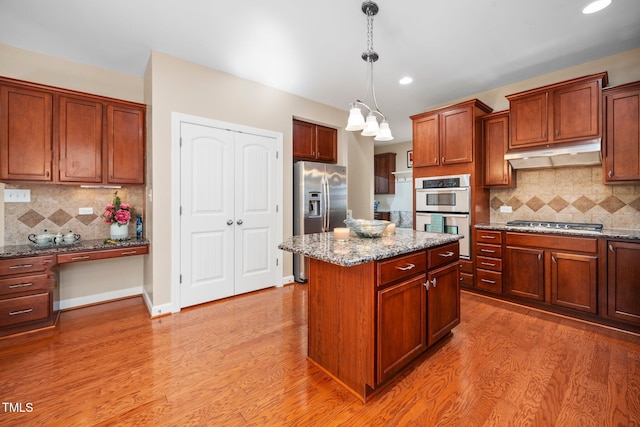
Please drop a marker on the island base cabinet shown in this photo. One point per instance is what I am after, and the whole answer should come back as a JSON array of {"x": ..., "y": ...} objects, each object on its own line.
[
  {"x": 623, "y": 299},
  {"x": 443, "y": 302},
  {"x": 401, "y": 328}
]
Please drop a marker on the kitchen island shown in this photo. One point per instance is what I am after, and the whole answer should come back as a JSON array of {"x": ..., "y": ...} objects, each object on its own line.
[{"x": 376, "y": 304}]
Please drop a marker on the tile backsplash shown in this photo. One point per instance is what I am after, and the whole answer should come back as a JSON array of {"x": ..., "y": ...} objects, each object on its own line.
[
  {"x": 574, "y": 194},
  {"x": 55, "y": 208}
]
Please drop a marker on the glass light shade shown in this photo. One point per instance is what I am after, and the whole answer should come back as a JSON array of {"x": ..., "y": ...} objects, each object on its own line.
[
  {"x": 384, "y": 134},
  {"x": 596, "y": 6},
  {"x": 356, "y": 119},
  {"x": 371, "y": 127}
]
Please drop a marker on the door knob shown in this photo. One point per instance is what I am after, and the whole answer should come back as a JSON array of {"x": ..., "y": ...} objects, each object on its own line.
[
  {"x": 239, "y": 222},
  {"x": 229, "y": 221}
]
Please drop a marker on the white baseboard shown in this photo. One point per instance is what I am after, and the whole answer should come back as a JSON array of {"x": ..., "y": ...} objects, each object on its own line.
[
  {"x": 156, "y": 311},
  {"x": 286, "y": 280},
  {"x": 97, "y": 298}
]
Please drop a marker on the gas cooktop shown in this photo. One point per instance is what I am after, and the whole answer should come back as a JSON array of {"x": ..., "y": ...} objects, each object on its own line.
[{"x": 556, "y": 225}]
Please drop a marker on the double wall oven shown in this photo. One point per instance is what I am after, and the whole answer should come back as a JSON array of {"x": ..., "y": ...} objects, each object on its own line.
[{"x": 443, "y": 203}]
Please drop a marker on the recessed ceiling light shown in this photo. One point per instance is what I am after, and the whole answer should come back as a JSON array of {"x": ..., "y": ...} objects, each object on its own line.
[
  {"x": 596, "y": 6},
  {"x": 405, "y": 80}
]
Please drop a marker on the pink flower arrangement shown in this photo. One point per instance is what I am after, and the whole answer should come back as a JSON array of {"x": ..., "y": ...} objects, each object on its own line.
[{"x": 117, "y": 211}]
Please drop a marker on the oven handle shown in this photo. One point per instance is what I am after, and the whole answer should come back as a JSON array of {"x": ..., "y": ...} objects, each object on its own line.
[
  {"x": 441, "y": 190},
  {"x": 444, "y": 214}
]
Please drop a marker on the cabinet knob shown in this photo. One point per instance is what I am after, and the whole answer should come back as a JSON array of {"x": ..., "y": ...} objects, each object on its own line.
[
  {"x": 554, "y": 259},
  {"x": 610, "y": 174},
  {"x": 433, "y": 282},
  {"x": 611, "y": 248},
  {"x": 539, "y": 257},
  {"x": 426, "y": 284},
  {"x": 442, "y": 159},
  {"x": 557, "y": 132}
]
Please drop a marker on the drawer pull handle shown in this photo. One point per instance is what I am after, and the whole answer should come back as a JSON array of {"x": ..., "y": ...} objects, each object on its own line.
[
  {"x": 493, "y": 282},
  {"x": 20, "y": 285},
  {"x": 447, "y": 254},
  {"x": 491, "y": 251},
  {"x": 488, "y": 263},
  {"x": 408, "y": 267},
  {"x": 77, "y": 258},
  {"x": 488, "y": 237},
  {"x": 21, "y": 266},
  {"x": 128, "y": 253},
  {"x": 15, "y": 313}
]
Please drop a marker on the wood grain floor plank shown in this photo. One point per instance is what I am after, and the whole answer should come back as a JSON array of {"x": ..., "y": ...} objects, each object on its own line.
[{"x": 242, "y": 361}]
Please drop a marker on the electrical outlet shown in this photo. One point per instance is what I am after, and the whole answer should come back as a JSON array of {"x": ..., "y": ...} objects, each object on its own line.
[
  {"x": 349, "y": 214},
  {"x": 506, "y": 209},
  {"x": 85, "y": 211},
  {"x": 17, "y": 196}
]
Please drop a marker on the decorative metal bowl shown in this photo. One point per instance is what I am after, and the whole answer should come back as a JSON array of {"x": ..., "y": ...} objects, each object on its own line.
[{"x": 367, "y": 227}]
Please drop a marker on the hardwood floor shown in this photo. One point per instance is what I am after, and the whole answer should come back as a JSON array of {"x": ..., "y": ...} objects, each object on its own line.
[{"x": 242, "y": 361}]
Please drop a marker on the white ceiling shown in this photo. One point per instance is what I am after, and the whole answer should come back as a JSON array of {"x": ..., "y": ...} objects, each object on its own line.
[{"x": 451, "y": 48}]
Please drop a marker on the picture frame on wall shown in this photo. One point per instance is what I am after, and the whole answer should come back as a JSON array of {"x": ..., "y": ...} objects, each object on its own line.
[{"x": 410, "y": 158}]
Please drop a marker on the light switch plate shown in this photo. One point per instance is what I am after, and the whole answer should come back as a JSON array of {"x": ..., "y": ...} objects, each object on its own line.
[
  {"x": 16, "y": 196},
  {"x": 85, "y": 211},
  {"x": 506, "y": 209}
]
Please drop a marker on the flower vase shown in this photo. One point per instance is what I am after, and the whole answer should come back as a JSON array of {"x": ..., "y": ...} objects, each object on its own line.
[{"x": 119, "y": 231}]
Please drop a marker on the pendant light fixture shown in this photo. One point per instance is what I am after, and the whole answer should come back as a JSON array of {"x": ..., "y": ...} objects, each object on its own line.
[{"x": 370, "y": 126}]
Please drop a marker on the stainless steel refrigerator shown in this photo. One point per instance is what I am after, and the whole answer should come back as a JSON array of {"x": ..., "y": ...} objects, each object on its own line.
[{"x": 319, "y": 203}]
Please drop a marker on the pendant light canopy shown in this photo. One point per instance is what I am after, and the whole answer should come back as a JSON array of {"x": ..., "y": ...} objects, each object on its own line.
[{"x": 356, "y": 121}]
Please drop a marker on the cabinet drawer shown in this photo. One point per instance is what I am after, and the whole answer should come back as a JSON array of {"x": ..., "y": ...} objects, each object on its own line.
[
  {"x": 490, "y": 281},
  {"x": 494, "y": 264},
  {"x": 466, "y": 280},
  {"x": 466, "y": 266},
  {"x": 394, "y": 269},
  {"x": 102, "y": 254},
  {"x": 443, "y": 255},
  {"x": 487, "y": 236},
  {"x": 25, "y": 309},
  {"x": 494, "y": 251},
  {"x": 30, "y": 283},
  {"x": 25, "y": 265}
]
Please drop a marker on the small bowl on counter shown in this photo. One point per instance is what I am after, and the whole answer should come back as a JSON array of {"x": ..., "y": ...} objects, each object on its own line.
[{"x": 367, "y": 227}]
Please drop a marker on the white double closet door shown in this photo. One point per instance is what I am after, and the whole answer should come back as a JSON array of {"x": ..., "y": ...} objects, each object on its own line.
[{"x": 228, "y": 221}]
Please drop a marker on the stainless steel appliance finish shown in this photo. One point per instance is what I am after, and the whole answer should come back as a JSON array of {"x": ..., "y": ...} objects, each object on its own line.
[
  {"x": 556, "y": 225},
  {"x": 449, "y": 196},
  {"x": 575, "y": 155},
  {"x": 319, "y": 203}
]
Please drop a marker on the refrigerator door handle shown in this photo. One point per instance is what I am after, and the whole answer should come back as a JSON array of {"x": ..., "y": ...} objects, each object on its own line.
[{"x": 327, "y": 204}]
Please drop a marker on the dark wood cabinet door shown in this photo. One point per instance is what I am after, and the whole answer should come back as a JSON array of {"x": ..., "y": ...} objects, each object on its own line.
[
  {"x": 574, "y": 281},
  {"x": 26, "y": 134},
  {"x": 401, "y": 325},
  {"x": 80, "y": 134},
  {"x": 456, "y": 138},
  {"x": 125, "y": 144},
  {"x": 525, "y": 273},
  {"x": 622, "y": 136},
  {"x": 443, "y": 301},
  {"x": 383, "y": 167},
  {"x": 303, "y": 140},
  {"x": 326, "y": 144},
  {"x": 576, "y": 111},
  {"x": 528, "y": 117},
  {"x": 623, "y": 294},
  {"x": 426, "y": 141},
  {"x": 497, "y": 170}
]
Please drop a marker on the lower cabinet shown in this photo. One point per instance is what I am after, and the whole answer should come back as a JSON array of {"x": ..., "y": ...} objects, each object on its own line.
[
  {"x": 443, "y": 301},
  {"x": 623, "y": 284},
  {"x": 574, "y": 281},
  {"x": 401, "y": 328},
  {"x": 525, "y": 273}
]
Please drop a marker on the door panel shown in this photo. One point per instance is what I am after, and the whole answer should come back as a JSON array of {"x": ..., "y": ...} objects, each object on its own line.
[
  {"x": 255, "y": 212},
  {"x": 207, "y": 202}
]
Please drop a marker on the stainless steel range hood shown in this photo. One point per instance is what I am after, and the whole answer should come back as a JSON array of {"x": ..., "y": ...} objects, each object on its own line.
[{"x": 584, "y": 154}]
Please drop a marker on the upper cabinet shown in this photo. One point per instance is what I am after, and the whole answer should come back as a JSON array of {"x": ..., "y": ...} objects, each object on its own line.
[
  {"x": 26, "y": 135},
  {"x": 622, "y": 133},
  {"x": 563, "y": 112},
  {"x": 446, "y": 136},
  {"x": 383, "y": 166},
  {"x": 65, "y": 137},
  {"x": 495, "y": 138},
  {"x": 314, "y": 142}
]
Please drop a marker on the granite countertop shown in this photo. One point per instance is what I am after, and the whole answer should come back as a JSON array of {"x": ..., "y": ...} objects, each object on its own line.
[
  {"x": 612, "y": 233},
  {"x": 12, "y": 251},
  {"x": 359, "y": 250}
]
